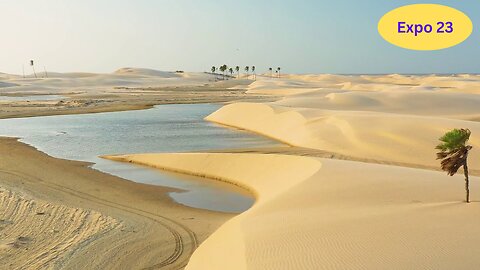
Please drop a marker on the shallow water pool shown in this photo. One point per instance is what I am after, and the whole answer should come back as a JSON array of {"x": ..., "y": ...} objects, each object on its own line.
[{"x": 165, "y": 128}]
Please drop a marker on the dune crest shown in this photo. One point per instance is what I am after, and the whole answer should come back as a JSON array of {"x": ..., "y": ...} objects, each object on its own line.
[{"x": 146, "y": 72}]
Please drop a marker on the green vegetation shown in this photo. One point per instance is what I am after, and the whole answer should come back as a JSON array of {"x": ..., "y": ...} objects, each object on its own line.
[{"x": 454, "y": 154}]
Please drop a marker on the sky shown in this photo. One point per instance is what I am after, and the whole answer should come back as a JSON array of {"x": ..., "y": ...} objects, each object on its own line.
[{"x": 317, "y": 36}]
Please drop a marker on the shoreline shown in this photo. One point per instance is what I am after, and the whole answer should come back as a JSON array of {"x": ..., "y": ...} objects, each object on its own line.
[
  {"x": 354, "y": 165},
  {"x": 143, "y": 214},
  {"x": 189, "y": 226},
  {"x": 129, "y": 99}
]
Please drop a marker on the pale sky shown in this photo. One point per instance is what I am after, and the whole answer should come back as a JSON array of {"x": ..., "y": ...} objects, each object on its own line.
[{"x": 335, "y": 36}]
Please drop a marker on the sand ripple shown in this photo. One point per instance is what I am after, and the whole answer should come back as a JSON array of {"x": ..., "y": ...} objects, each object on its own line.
[{"x": 36, "y": 235}]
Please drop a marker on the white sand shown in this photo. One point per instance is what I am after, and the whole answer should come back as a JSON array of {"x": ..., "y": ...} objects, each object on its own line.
[
  {"x": 398, "y": 122},
  {"x": 314, "y": 213},
  {"x": 57, "y": 83},
  {"x": 328, "y": 214}
]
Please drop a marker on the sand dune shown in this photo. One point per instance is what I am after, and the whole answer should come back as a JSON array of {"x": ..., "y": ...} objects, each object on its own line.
[
  {"x": 326, "y": 214},
  {"x": 298, "y": 83},
  {"x": 54, "y": 82},
  {"x": 374, "y": 135},
  {"x": 415, "y": 102},
  {"x": 146, "y": 72},
  {"x": 394, "y": 118},
  {"x": 314, "y": 213},
  {"x": 125, "y": 89}
]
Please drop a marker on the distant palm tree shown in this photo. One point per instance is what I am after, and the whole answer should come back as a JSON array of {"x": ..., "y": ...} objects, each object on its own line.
[
  {"x": 278, "y": 70},
  {"x": 237, "y": 69},
  {"x": 271, "y": 72},
  {"x": 214, "y": 69},
  {"x": 223, "y": 69},
  {"x": 247, "y": 68},
  {"x": 454, "y": 154},
  {"x": 231, "y": 71},
  {"x": 254, "y": 74}
]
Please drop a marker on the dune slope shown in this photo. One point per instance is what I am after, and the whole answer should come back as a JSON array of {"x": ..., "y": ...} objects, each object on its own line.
[
  {"x": 328, "y": 214},
  {"x": 373, "y": 135}
]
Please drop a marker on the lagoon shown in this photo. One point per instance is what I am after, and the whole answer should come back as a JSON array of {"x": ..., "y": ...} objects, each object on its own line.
[{"x": 164, "y": 128}]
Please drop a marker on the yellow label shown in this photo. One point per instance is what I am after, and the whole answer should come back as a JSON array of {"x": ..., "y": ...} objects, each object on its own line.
[{"x": 425, "y": 27}]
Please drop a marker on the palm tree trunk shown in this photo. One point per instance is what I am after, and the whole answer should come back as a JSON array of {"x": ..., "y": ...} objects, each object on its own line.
[{"x": 467, "y": 181}]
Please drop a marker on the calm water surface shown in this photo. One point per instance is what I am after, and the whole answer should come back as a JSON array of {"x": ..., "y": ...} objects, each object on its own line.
[{"x": 165, "y": 128}]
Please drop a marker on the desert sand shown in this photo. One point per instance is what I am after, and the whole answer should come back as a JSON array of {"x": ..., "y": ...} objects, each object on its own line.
[
  {"x": 316, "y": 213},
  {"x": 59, "y": 214},
  {"x": 62, "y": 214},
  {"x": 356, "y": 185},
  {"x": 376, "y": 199},
  {"x": 124, "y": 89}
]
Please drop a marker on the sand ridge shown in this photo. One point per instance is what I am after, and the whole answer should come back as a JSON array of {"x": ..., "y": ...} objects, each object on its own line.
[
  {"x": 394, "y": 118},
  {"x": 328, "y": 214},
  {"x": 343, "y": 214}
]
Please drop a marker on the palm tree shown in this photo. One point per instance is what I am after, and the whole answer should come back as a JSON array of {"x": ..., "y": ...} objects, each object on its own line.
[
  {"x": 223, "y": 69},
  {"x": 454, "y": 154},
  {"x": 214, "y": 69},
  {"x": 271, "y": 73},
  {"x": 247, "y": 68},
  {"x": 231, "y": 71},
  {"x": 237, "y": 69},
  {"x": 254, "y": 74},
  {"x": 278, "y": 70}
]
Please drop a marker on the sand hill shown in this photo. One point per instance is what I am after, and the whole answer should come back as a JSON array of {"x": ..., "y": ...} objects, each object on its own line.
[{"x": 314, "y": 213}]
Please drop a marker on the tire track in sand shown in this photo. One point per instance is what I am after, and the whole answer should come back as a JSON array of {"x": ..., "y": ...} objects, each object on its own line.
[{"x": 183, "y": 236}]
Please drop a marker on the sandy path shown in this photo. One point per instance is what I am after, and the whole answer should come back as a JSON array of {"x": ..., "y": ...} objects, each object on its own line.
[{"x": 89, "y": 219}]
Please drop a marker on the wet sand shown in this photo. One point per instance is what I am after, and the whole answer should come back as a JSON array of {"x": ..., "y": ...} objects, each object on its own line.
[{"x": 61, "y": 214}]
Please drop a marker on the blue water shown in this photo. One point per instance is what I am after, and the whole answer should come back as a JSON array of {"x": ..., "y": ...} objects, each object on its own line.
[{"x": 165, "y": 128}]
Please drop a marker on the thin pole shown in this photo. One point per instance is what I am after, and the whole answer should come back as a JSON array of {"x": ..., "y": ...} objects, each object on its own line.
[{"x": 45, "y": 69}]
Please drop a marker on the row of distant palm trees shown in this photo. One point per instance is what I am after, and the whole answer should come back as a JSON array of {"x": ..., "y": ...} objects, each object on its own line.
[
  {"x": 225, "y": 69},
  {"x": 276, "y": 71}
]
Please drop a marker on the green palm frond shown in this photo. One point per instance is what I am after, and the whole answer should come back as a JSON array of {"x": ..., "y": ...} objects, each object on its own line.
[{"x": 454, "y": 140}]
